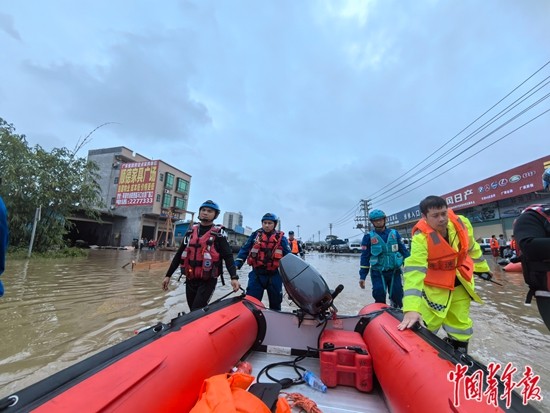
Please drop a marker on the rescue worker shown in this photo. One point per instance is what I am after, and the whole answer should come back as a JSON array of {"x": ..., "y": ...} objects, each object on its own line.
[
  {"x": 495, "y": 250},
  {"x": 439, "y": 274},
  {"x": 382, "y": 254},
  {"x": 262, "y": 251},
  {"x": 200, "y": 256},
  {"x": 532, "y": 231},
  {"x": 514, "y": 250},
  {"x": 295, "y": 245}
]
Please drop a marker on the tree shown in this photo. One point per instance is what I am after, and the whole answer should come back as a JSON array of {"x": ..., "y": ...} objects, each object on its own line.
[{"x": 58, "y": 181}]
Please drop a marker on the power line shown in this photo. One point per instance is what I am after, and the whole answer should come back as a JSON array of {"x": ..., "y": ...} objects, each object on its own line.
[
  {"x": 454, "y": 166},
  {"x": 471, "y": 135}
]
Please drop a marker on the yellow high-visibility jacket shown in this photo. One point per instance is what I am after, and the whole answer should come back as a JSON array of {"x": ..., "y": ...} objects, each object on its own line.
[{"x": 416, "y": 267}]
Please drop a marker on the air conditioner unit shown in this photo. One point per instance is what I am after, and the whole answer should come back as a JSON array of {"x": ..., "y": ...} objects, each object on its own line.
[
  {"x": 185, "y": 196},
  {"x": 166, "y": 191},
  {"x": 113, "y": 206}
]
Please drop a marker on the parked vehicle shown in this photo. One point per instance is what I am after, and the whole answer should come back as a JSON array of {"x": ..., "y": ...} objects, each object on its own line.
[
  {"x": 355, "y": 247},
  {"x": 485, "y": 244}
]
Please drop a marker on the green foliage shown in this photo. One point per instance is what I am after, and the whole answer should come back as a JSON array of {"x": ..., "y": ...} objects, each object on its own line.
[
  {"x": 57, "y": 181},
  {"x": 66, "y": 252}
]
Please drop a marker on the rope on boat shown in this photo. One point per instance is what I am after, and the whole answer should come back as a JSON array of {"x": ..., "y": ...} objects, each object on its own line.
[{"x": 299, "y": 400}]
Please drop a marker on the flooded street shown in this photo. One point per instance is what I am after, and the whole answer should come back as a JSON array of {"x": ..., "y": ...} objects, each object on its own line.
[{"x": 57, "y": 312}]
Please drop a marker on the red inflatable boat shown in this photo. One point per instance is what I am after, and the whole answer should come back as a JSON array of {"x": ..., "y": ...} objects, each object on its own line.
[{"x": 366, "y": 363}]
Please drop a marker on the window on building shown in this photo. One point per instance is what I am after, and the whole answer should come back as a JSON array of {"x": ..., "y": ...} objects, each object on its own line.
[
  {"x": 182, "y": 186},
  {"x": 179, "y": 203},
  {"x": 116, "y": 180},
  {"x": 167, "y": 201},
  {"x": 169, "y": 183},
  {"x": 113, "y": 200},
  {"x": 158, "y": 197},
  {"x": 161, "y": 177}
]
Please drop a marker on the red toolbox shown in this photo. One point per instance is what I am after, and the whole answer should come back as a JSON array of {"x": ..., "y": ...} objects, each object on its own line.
[{"x": 351, "y": 366}]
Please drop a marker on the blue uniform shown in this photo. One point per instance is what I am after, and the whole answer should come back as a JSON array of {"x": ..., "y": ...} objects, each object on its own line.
[
  {"x": 383, "y": 254},
  {"x": 3, "y": 240},
  {"x": 260, "y": 279}
]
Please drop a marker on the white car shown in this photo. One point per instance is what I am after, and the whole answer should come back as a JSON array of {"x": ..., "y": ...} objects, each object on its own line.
[{"x": 355, "y": 247}]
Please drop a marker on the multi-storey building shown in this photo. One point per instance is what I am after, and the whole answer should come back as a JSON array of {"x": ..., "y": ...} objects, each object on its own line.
[
  {"x": 231, "y": 220},
  {"x": 143, "y": 198}
]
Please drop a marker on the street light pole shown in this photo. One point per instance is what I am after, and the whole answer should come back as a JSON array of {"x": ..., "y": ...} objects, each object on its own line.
[{"x": 298, "y": 226}]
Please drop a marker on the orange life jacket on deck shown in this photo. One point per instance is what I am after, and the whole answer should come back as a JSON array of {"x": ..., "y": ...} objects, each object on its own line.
[
  {"x": 266, "y": 252},
  {"x": 493, "y": 243},
  {"x": 227, "y": 394},
  {"x": 443, "y": 260},
  {"x": 514, "y": 245},
  {"x": 193, "y": 261}
]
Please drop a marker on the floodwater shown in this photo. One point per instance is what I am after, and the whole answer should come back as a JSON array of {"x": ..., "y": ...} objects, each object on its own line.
[{"x": 57, "y": 312}]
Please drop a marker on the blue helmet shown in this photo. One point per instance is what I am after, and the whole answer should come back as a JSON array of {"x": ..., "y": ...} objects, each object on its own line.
[
  {"x": 211, "y": 204},
  {"x": 546, "y": 179},
  {"x": 376, "y": 214},
  {"x": 269, "y": 216}
]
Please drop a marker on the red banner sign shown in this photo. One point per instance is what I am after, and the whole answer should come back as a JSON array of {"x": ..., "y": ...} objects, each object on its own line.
[
  {"x": 137, "y": 183},
  {"x": 514, "y": 182}
]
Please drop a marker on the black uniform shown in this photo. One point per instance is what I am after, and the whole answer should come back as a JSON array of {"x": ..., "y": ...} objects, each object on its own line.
[
  {"x": 198, "y": 291},
  {"x": 532, "y": 232}
]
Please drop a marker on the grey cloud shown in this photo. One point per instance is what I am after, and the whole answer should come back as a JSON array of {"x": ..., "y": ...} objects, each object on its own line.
[{"x": 7, "y": 25}]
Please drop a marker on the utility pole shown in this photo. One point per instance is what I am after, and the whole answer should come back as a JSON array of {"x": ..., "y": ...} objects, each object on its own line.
[
  {"x": 363, "y": 220},
  {"x": 330, "y": 226},
  {"x": 37, "y": 214},
  {"x": 298, "y": 226},
  {"x": 319, "y": 235}
]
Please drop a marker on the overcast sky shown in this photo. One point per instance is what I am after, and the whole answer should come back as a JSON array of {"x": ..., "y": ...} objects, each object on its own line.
[{"x": 301, "y": 108}]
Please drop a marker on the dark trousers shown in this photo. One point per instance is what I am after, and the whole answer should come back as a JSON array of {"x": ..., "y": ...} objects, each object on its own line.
[
  {"x": 390, "y": 282},
  {"x": 199, "y": 292},
  {"x": 259, "y": 280}
]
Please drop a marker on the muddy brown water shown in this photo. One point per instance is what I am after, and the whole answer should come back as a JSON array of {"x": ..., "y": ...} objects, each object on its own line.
[{"x": 58, "y": 312}]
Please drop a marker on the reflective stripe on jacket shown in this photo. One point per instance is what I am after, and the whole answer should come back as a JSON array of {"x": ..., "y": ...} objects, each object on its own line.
[
  {"x": 192, "y": 258},
  {"x": 416, "y": 268},
  {"x": 266, "y": 252},
  {"x": 443, "y": 260}
]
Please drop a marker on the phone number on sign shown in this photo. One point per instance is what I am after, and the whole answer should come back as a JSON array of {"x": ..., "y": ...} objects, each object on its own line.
[{"x": 135, "y": 201}]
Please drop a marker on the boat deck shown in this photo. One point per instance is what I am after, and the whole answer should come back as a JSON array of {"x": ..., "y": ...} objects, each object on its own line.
[{"x": 340, "y": 399}]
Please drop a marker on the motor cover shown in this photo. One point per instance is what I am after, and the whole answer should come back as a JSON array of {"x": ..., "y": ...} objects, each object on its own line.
[{"x": 305, "y": 285}]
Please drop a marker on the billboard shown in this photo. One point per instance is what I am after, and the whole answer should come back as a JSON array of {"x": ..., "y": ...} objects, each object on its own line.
[
  {"x": 483, "y": 195},
  {"x": 137, "y": 183},
  {"x": 518, "y": 181}
]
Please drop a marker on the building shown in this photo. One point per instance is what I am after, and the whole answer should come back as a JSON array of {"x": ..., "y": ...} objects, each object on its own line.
[
  {"x": 232, "y": 220},
  {"x": 143, "y": 199},
  {"x": 491, "y": 204}
]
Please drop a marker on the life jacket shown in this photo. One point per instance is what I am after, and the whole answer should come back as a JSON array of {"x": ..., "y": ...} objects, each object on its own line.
[
  {"x": 536, "y": 274},
  {"x": 200, "y": 259},
  {"x": 385, "y": 255},
  {"x": 514, "y": 245},
  {"x": 266, "y": 252},
  {"x": 493, "y": 243},
  {"x": 443, "y": 260},
  {"x": 225, "y": 393},
  {"x": 294, "y": 246}
]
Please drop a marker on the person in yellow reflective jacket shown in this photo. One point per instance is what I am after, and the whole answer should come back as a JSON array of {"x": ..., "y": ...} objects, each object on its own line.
[{"x": 439, "y": 274}]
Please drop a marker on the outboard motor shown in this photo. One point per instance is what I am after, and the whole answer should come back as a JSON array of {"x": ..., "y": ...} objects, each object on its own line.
[{"x": 306, "y": 287}]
